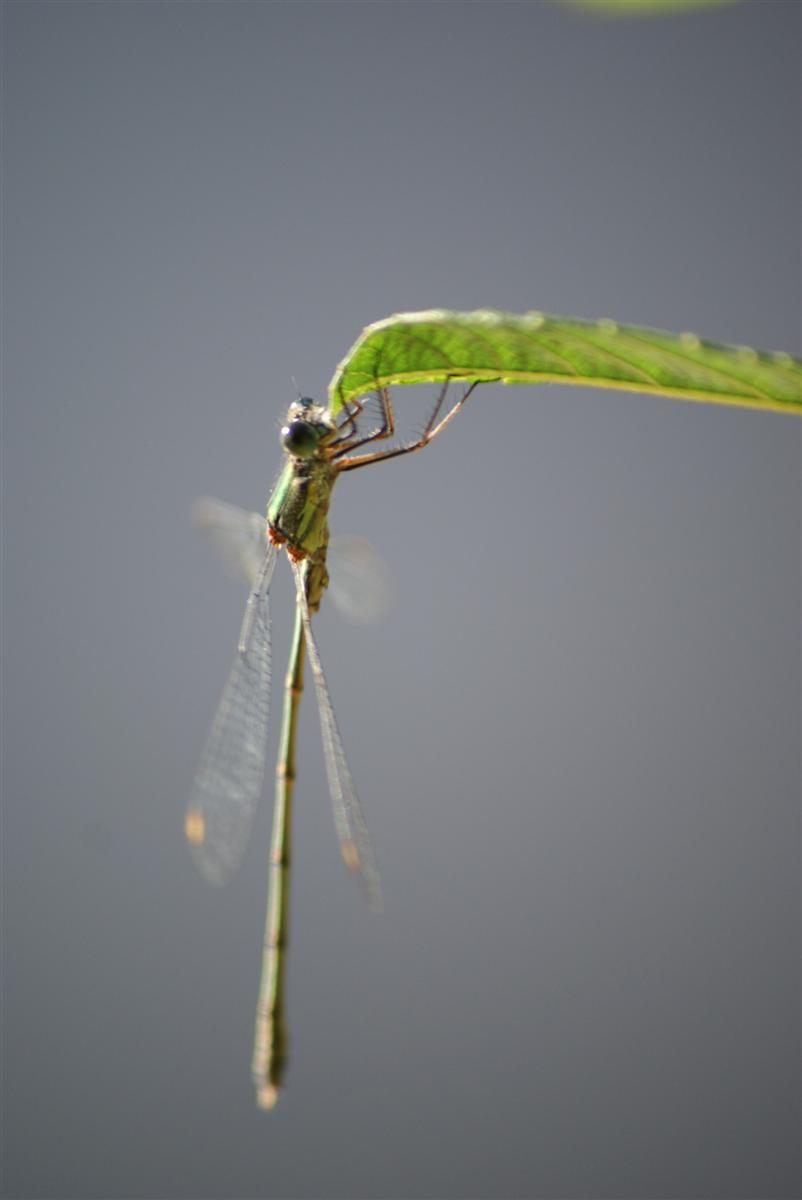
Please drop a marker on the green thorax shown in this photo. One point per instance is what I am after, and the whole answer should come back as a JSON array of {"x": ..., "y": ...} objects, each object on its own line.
[
  {"x": 297, "y": 511},
  {"x": 298, "y": 508}
]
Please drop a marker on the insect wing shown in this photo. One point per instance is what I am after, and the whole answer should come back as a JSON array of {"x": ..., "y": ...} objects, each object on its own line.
[
  {"x": 360, "y": 580},
  {"x": 231, "y": 772},
  {"x": 349, "y": 820},
  {"x": 237, "y": 535}
]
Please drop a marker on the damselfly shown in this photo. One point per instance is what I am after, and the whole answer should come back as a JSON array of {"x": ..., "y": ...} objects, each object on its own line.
[{"x": 318, "y": 448}]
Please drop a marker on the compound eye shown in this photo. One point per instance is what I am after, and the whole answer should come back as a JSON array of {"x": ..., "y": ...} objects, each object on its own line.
[{"x": 300, "y": 438}]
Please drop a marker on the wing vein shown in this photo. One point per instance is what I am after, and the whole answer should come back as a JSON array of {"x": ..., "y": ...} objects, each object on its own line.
[
  {"x": 229, "y": 780},
  {"x": 349, "y": 820}
]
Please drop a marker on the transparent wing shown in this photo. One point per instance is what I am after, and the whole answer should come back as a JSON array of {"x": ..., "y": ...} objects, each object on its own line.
[
  {"x": 229, "y": 779},
  {"x": 360, "y": 580},
  {"x": 349, "y": 820},
  {"x": 237, "y": 535}
]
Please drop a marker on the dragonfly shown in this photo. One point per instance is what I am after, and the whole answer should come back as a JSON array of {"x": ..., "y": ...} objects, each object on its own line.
[{"x": 318, "y": 447}]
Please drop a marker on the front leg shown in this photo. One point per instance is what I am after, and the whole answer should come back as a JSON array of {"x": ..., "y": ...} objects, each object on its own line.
[{"x": 433, "y": 428}]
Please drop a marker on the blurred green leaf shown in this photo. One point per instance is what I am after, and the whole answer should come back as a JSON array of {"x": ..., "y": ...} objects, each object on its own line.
[{"x": 642, "y": 8}]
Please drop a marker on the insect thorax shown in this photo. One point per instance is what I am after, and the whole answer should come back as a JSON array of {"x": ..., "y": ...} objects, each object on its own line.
[{"x": 297, "y": 510}]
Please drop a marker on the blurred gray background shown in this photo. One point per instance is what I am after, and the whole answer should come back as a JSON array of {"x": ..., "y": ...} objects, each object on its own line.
[{"x": 577, "y": 738}]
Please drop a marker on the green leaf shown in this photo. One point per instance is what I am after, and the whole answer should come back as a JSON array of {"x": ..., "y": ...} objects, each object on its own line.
[
  {"x": 496, "y": 347},
  {"x": 642, "y": 8}
]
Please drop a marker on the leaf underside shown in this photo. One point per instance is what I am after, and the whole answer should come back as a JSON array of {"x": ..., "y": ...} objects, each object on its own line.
[{"x": 488, "y": 346}]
